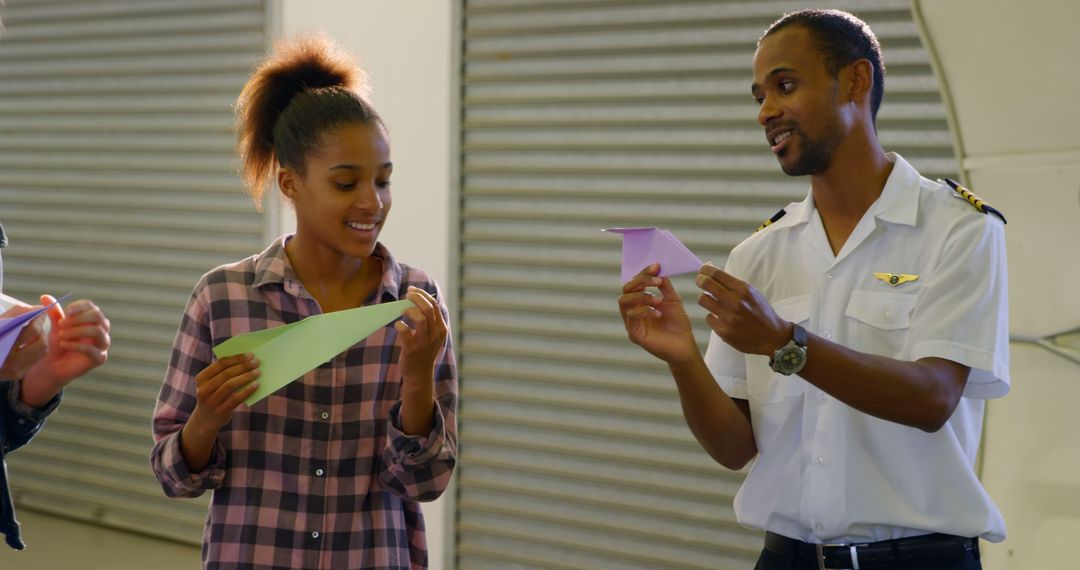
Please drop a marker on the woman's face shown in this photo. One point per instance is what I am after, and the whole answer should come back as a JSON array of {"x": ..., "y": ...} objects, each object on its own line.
[{"x": 343, "y": 198}]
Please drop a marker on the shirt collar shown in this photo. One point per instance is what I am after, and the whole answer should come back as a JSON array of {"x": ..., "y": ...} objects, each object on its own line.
[
  {"x": 898, "y": 202},
  {"x": 272, "y": 266}
]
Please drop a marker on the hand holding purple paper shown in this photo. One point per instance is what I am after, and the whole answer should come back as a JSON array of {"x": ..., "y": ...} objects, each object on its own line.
[
  {"x": 647, "y": 245},
  {"x": 20, "y": 331}
]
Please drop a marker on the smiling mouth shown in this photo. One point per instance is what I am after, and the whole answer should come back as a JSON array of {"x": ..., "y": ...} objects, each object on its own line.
[
  {"x": 777, "y": 141},
  {"x": 782, "y": 136},
  {"x": 361, "y": 227}
]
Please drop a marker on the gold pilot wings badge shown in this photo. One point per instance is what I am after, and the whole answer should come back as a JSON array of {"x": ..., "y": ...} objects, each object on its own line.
[{"x": 895, "y": 279}]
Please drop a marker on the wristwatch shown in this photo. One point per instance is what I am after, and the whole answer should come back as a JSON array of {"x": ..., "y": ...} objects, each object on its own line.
[{"x": 790, "y": 358}]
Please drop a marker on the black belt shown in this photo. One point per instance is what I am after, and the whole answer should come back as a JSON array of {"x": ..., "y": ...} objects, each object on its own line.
[{"x": 914, "y": 550}]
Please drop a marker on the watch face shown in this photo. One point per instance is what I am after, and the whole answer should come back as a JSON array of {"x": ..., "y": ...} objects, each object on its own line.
[{"x": 791, "y": 360}]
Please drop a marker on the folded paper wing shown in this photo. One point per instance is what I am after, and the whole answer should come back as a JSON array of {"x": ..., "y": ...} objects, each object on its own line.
[
  {"x": 642, "y": 247},
  {"x": 288, "y": 352},
  {"x": 11, "y": 327}
]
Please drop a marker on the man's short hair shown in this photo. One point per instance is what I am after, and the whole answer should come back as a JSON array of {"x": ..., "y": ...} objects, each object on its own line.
[{"x": 842, "y": 39}]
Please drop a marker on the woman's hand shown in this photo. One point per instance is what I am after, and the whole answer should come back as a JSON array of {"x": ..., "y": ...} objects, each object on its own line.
[
  {"x": 422, "y": 331},
  {"x": 220, "y": 388}
]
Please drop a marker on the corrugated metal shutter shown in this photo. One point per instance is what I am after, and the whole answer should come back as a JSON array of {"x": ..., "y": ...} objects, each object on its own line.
[
  {"x": 117, "y": 184},
  {"x": 578, "y": 115}
]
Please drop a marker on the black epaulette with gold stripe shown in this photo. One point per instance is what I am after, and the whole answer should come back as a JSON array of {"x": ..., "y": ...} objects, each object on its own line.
[
  {"x": 974, "y": 200},
  {"x": 771, "y": 220}
]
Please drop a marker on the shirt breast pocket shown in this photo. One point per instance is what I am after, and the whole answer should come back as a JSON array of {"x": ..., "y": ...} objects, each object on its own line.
[
  {"x": 879, "y": 322},
  {"x": 762, "y": 384}
]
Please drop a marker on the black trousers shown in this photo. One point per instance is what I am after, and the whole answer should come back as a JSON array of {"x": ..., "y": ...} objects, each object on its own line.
[{"x": 793, "y": 559}]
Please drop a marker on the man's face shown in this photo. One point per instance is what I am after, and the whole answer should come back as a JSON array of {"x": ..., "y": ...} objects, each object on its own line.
[{"x": 799, "y": 101}]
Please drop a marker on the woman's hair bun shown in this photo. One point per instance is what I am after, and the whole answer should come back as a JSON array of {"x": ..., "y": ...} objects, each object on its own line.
[{"x": 296, "y": 66}]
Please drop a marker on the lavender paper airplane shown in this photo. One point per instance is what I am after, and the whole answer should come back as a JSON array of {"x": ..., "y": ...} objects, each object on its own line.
[{"x": 641, "y": 247}]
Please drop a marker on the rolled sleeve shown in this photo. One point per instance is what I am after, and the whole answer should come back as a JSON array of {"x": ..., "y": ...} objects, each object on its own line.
[
  {"x": 23, "y": 421},
  {"x": 411, "y": 451},
  {"x": 176, "y": 401},
  {"x": 419, "y": 467},
  {"x": 175, "y": 477}
]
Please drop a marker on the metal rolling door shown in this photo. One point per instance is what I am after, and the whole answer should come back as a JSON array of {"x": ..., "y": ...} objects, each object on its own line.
[{"x": 117, "y": 183}]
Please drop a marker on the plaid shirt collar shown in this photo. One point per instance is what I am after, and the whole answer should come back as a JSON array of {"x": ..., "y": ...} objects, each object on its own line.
[{"x": 272, "y": 267}]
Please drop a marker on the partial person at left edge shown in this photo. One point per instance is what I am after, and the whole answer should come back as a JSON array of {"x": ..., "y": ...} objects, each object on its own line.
[{"x": 41, "y": 363}]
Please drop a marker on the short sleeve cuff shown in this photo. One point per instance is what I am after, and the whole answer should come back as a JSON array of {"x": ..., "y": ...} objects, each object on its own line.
[
  {"x": 733, "y": 387},
  {"x": 989, "y": 371},
  {"x": 414, "y": 449}
]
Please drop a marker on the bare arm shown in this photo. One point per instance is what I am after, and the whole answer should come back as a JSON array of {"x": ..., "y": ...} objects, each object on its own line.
[
  {"x": 920, "y": 394},
  {"x": 720, "y": 423},
  {"x": 660, "y": 325}
]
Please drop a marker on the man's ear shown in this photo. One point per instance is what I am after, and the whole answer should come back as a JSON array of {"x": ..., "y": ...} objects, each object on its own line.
[
  {"x": 859, "y": 80},
  {"x": 287, "y": 180}
]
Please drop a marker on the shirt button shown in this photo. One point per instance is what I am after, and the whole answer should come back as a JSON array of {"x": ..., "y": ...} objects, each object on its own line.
[
  {"x": 325, "y": 415},
  {"x": 319, "y": 472},
  {"x": 818, "y": 527},
  {"x": 828, "y": 334},
  {"x": 888, "y": 315},
  {"x": 823, "y": 396},
  {"x": 315, "y": 534},
  {"x": 821, "y": 461},
  {"x": 829, "y": 275}
]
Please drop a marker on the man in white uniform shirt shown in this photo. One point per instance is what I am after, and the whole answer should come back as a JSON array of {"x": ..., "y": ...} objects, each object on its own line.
[{"x": 856, "y": 336}]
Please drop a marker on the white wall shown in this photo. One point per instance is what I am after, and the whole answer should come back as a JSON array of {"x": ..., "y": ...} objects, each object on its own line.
[
  {"x": 1009, "y": 69},
  {"x": 405, "y": 46}
]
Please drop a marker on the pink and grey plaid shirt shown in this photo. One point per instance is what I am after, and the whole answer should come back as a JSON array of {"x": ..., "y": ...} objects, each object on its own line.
[{"x": 318, "y": 474}]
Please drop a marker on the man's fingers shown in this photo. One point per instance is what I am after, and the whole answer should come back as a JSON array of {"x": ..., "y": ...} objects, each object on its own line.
[
  {"x": 646, "y": 278},
  {"x": 668, "y": 290},
  {"x": 723, "y": 278},
  {"x": 642, "y": 312},
  {"x": 711, "y": 303},
  {"x": 628, "y": 301}
]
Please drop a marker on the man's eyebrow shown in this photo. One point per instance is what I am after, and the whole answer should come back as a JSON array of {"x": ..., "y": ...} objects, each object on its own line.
[{"x": 754, "y": 88}]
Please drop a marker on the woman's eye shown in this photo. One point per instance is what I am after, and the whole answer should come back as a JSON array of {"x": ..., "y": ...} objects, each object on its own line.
[
  {"x": 787, "y": 85},
  {"x": 382, "y": 183},
  {"x": 345, "y": 185}
]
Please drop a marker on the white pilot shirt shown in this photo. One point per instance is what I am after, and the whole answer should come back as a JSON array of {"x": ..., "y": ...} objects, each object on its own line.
[{"x": 826, "y": 472}]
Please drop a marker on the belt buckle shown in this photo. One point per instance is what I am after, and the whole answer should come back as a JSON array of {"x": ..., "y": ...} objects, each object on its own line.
[{"x": 820, "y": 552}]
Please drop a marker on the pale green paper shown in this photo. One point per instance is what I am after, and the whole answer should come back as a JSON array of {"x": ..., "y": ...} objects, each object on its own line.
[{"x": 288, "y": 352}]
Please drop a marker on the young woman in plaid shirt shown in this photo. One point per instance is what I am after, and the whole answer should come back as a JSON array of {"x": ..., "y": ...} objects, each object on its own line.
[{"x": 327, "y": 472}]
